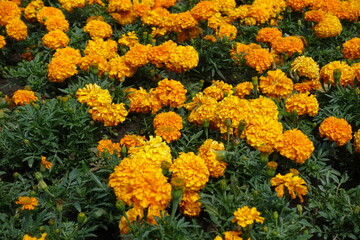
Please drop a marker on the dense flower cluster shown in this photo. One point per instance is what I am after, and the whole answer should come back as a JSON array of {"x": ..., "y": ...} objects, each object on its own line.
[
  {"x": 218, "y": 90},
  {"x": 295, "y": 185},
  {"x": 245, "y": 216},
  {"x": 302, "y": 103},
  {"x": 336, "y": 129},
  {"x": 21, "y": 97}
]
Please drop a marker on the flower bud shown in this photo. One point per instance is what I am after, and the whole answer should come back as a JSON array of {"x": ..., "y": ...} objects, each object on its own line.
[
  {"x": 177, "y": 188},
  {"x": 42, "y": 229},
  {"x": 337, "y": 76},
  {"x": 242, "y": 126},
  {"x": 52, "y": 221},
  {"x": 16, "y": 175},
  {"x": 276, "y": 215},
  {"x": 221, "y": 155},
  {"x": 59, "y": 205},
  {"x": 42, "y": 185},
  {"x": 264, "y": 157},
  {"x": 271, "y": 168},
  {"x": 120, "y": 204},
  {"x": 255, "y": 81},
  {"x": 81, "y": 218},
  {"x": 38, "y": 176},
  {"x": 299, "y": 208},
  {"x": 223, "y": 185},
  {"x": 206, "y": 123},
  {"x": 357, "y": 210},
  {"x": 228, "y": 122}
]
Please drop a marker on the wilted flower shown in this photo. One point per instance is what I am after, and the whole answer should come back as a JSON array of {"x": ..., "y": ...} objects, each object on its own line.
[
  {"x": 45, "y": 162},
  {"x": 295, "y": 185},
  {"x": 190, "y": 205}
]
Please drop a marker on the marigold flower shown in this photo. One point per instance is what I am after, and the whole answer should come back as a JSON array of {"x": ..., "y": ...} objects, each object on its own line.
[
  {"x": 142, "y": 101},
  {"x": 98, "y": 29},
  {"x": 302, "y": 103},
  {"x": 204, "y": 10},
  {"x": 2, "y": 41},
  {"x": 347, "y": 73},
  {"x": 202, "y": 108},
  {"x": 295, "y": 185},
  {"x": 159, "y": 55},
  {"x": 97, "y": 61},
  {"x": 307, "y": 86},
  {"x": 137, "y": 55},
  {"x": 55, "y": 39},
  {"x": 45, "y": 162},
  {"x": 22, "y": 97},
  {"x": 288, "y": 45},
  {"x": 336, "y": 129},
  {"x": 16, "y": 29},
  {"x": 356, "y": 67},
  {"x": 351, "y": 48},
  {"x": 28, "y": 237},
  {"x": 129, "y": 39},
  {"x": 132, "y": 140},
  {"x": 57, "y": 23},
  {"x": 259, "y": 59},
  {"x": 263, "y": 106},
  {"x": 315, "y": 15},
  {"x": 124, "y": 17},
  {"x": 190, "y": 205},
  {"x": 357, "y": 141},
  {"x": 32, "y": 8},
  {"x": 120, "y": 68},
  {"x": 28, "y": 203},
  {"x": 306, "y": 67},
  {"x": 243, "y": 89},
  {"x": 330, "y": 26},
  {"x": 8, "y": 11},
  {"x": 168, "y": 125},
  {"x": 98, "y": 46},
  {"x": 276, "y": 84},
  {"x": 268, "y": 34},
  {"x": 218, "y": 90},
  {"x": 93, "y": 95},
  {"x": 110, "y": 115},
  {"x": 69, "y": 54},
  {"x": 171, "y": 92},
  {"x": 298, "y": 5},
  {"x": 182, "y": 59},
  {"x": 69, "y": 5},
  {"x": 208, "y": 152},
  {"x": 46, "y": 13},
  {"x": 246, "y": 216},
  {"x": 61, "y": 68},
  {"x": 230, "y": 235},
  {"x": 192, "y": 169},
  {"x": 295, "y": 145},
  {"x": 110, "y": 146},
  {"x": 119, "y": 5}
]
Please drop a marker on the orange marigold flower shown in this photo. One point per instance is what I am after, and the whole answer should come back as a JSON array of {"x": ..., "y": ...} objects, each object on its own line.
[
  {"x": 218, "y": 90},
  {"x": 110, "y": 115},
  {"x": 168, "y": 133},
  {"x": 46, "y": 13},
  {"x": 98, "y": 46},
  {"x": 8, "y": 12},
  {"x": 230, "y": 235},
  {"x": 61, "y": 68},
  {"x": 302, "y": 103},
  {"x": 202, "y": 108},
  {"x": 241, "y": 49},
  {"x": 347, "y": 73},
  {"x": 243, "y": 89},
  {"x": 168, "y": 125},
  {"x": 55, "y": 39},
  {"x": 159, "y": 55},
  {"x": 69, "y": 5},
  {"x": 307, "y": 86},
  {"x": 119, "y": 5},
  {"x": 124, "y": 17},
  {"x": 262, "y": 133},
  {"x": 137, "y": 55},
  {"x": 28, "y": 237},
  {"x": 276, "y": 84},
  {"x": 32, "y": 8},
  {"x": 183, "y": 20},
  {"x": 93, "y": 95},
  {"x": 208, "y": 152},
  {"x": 57, "y": 23},
  {"x": 246, "y": 216},
  {"x": 330, "y": 26},
  {"x": 357, "y": 141},
  {"x": 336, "y": 129},
  {"x": 288, "y": 45},
  {"x": 356, "y": 67},
  {"x": 120, "y": 68},
  {"x": 226, "y": 30},
  {"x": 142, "y": 101},
  {"x": 96, "y": 61},
  {"x": 192, "y": 169},
  {"x": 98, "y": 29},
  {"x": 132, "y": 140},
  {"x": 182, "y": 59},
  {"x": 298, "y": 5},
  {"x": 16, "y": 29},
  {"x": 268, "y": 34},
  {"x": 295, "y": 145},
  {"x": 28, "y": 203},
  {"x": 45, "y": 163},
  {"x": 110, "y": 146},
  {"x": 70, "y": 54},
  {"x": 351, "y": 48},
  {"x": 263, "y": 106},
  {"x": 306, "y": 67},
  {"x": 259, "y": 59},
  {"x": 171, "y": 92},
  {"x": 204, "y": 10},
  {"x": 315, "y": 15},
  {"x": 129, "y": 39},
  {"x": 2, "y": 41},
  {"x": 22, "y": 97},
  {"x": 295, "y": 185},
  {"x": 190, "y": 205}
]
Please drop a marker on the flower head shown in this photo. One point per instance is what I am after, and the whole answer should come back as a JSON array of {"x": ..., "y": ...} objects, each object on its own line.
[
  {"x": 16, "y": 29},
  {"x": 276, "y": 84},
  {"x": 351, "y": 48},
  {"x": 8, "y": 12},
  {"x": 28, "y": 237},
  {"x": 93, "y": 95},
  {"x": 132, "y": 140},
  {"x": 142, "y": 101},
  {"x": 168, "y": 125},
  {"x": 246, "y": 216},
  {"x": 295, "y": 185},
  {"x": 190, "y": 205},
  {"x": 208, "y": 152},
  {"x": 268, "y": 34},
  {"x": 109, "y": 146},
  {"x": 306, "y": 67},
  {"x": 98, "y": 29},
  {"x": 28, "y": 203},
  {"x": 55, "y": 39},
  {"x": 302, "y": 103},
  {"x": 347, "y": 73},
  {"x": 288, "y": 45},
  {"x": 243, "y": 89},
  {"x": 336, "y": 129},
  {"x": 45, "y": 162},
  {"x": 171, "y": 92},
  {"x": 218, "y": 90},
  {"x": 111, "y": 114},
  {"x": 22, "y": 97},
  {"x": 357, "y": 141},
  {"x": 259, "y": 59}
]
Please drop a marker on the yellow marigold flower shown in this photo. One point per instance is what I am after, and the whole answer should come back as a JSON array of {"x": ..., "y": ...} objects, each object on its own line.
[
  {"x": 241, "y": 49},
  {"x": 28, "y": 203},
  {"x": 70, "y": 54},
  {"x": 347, "y": 73},
  {"x": 120, "y": 68},
  {"x": 218, "y": 90},
  {"x": 315, "y": 15},
  {"x": 142, "y": 101},
  {"x": 302, "y": 103},
  {"x": 69, "y": 5},
  {"x": 330, "y": 26},
  {"x": 246, "y": 216},
  {"x": 124, "y": 17},
  {"x": 22, "y": 97},
  {"x": 294, "y": 171},
  {"x": 57, "y": 23},
  {"x": 230, "y": 235},
  {"x": 357, "y": 141},
  {"x": 307, "y": 86},
  {"x": 45, "y": 162},
  {"x": 356, "y": 67},
  {"x": 227, "y": 30},
  {"x": 306, "y": 67},
  {"x": 263, "y": 106},
  {"x": 182, "y": 59},
  {"x": 28, "y": 237},
  {"x": 136, "y": 181},
  {"x": 32, "y": 8},
  {"x": 159, "y": 55},
  {"x": 2, "y": 41},
  {"x": 159, "y": 17},
  {"x": 16, "y": 29},
  {"x": 243, "y": 89},
  {"x": 259, "y": 59},
  {"x": 295, "y": 145},
  {"x": 8, "y": 12},
  {"x": 137, "y": 214},
  {"x": 351, "y": 48},
  {"x": 190, "y": 205},
  {"x": 204, "y": 10},
  {"x": 336, "y": 129},
  {"x": 155, "y": 151},
  {"x": 132, "y": 140},
  {"x": 164, "y": 3},
  {"x": 233, "y": 108},
  {"x": 192, "y": 169},
  {"x": 295, "y": 185},
  {"x": 110, "y": 146},
  {"x": 208, "y": 152},
  {"x": 119, "y": 5},
  {"x": 298, "y": 5},
  {"x": 288, "y": 45},
  {"x": 98, "y": 29},
  {"x": 55, "y": 39},
  {"x": 137, "y": 55},
  {"x": 129, "y": 39},
  {"x": 183, "y": 20},
  {"x": 98, "y": 46},
  {"x": 46, "y": 13},
  {"x": 93, "y": 95},
  {"x": 262, "y": 133},
  {"x": 168, "y": 125},
  {"x": 97, "y": 61},
  {"x": 268, "y": 34},
  {"x": 171, "y": 92},
  {"x": 276, "y": 84},
  {"x": 61, "y": 68},
  {"x": 110, "y": 115},
  {"x": 202, "y": 108}
]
